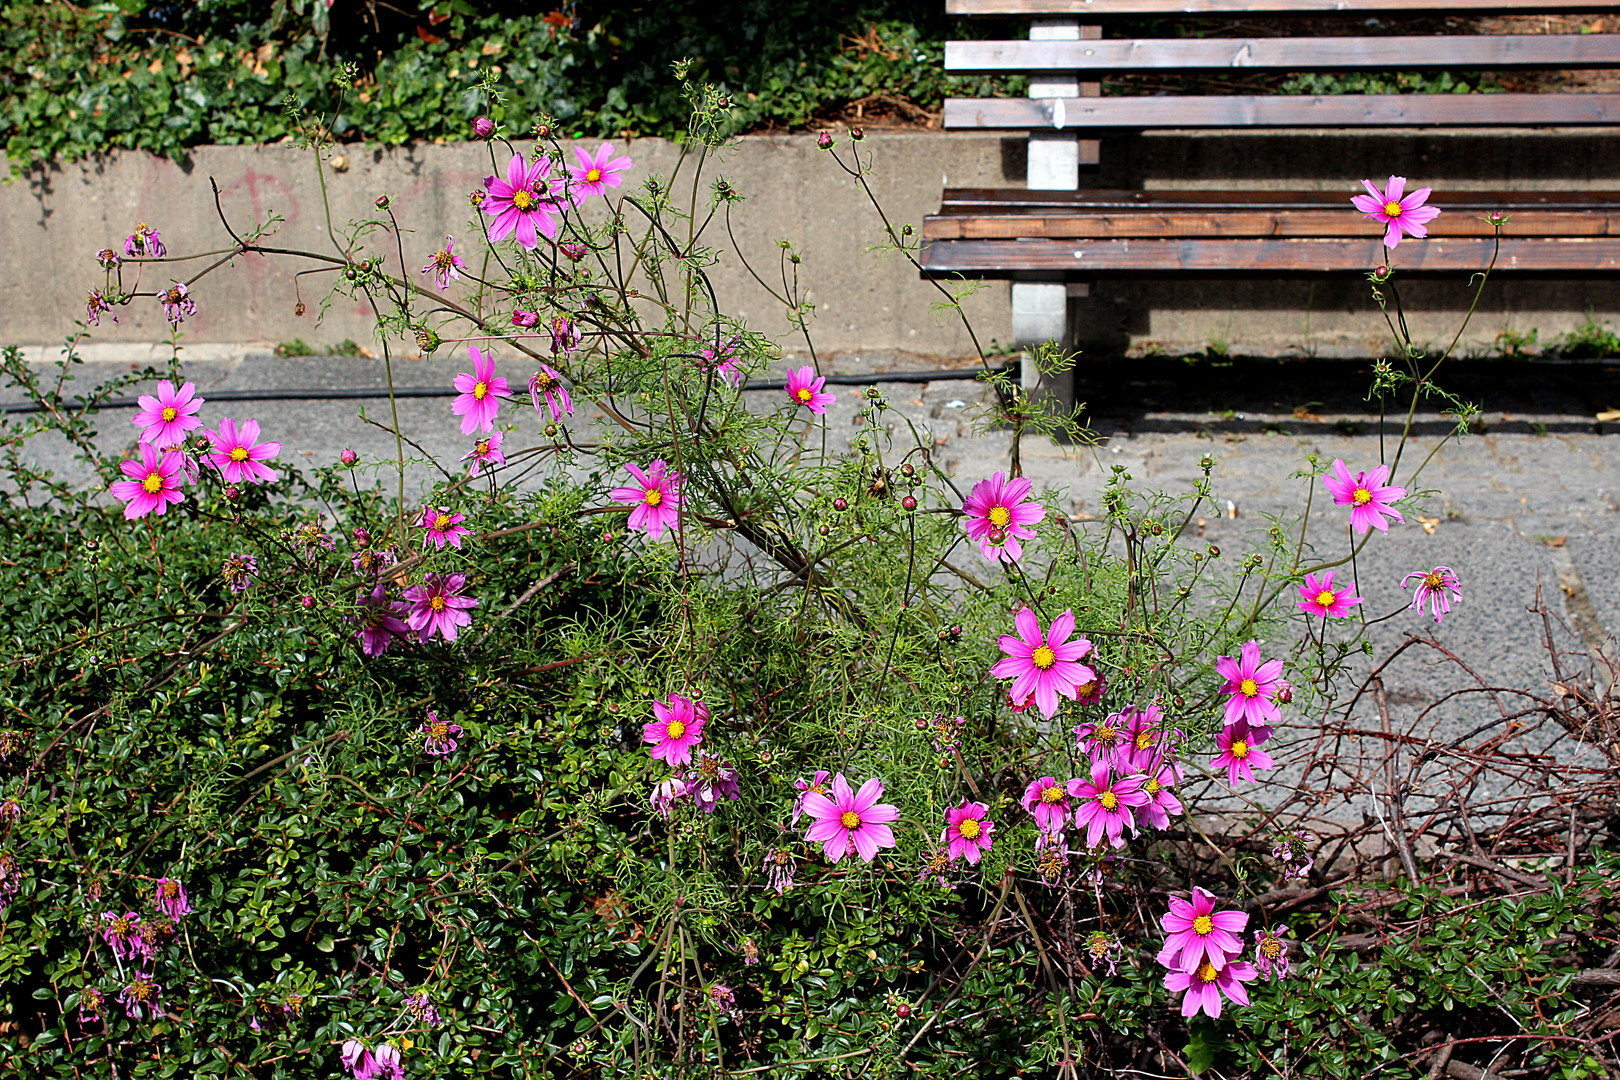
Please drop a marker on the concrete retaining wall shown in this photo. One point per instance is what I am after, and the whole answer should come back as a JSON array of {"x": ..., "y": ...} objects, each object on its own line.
[{"x": 53, "y": 225}]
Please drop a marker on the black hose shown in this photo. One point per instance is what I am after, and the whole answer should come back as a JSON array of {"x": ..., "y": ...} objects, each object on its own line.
[{"x": 352, "y": 394}]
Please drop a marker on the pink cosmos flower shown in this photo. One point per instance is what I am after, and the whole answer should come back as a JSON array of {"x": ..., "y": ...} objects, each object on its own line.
[
  {"x": 1198, "y": 933},
  {"x": 804, "y": 388},
  {"x": 445, "y": 264},
  {"x": 1438, "y": 587},
  {"x": 1106, "y": 740},
  {"x": 817, "y": 784},
  {"x": 850, "y": 821},
  {"x": 1162, "y": 804},
  {"x": 1318, "y": 597},
  {"x": 178, "y": 304},
  {"x": 378, "y": 619},
  {"x": 1091, "y": 693},
  {"x": 998, "y": 513},
  {"x": 657, "y": 498},
  {"x": 486, "y": 454},
  {"x": 594, "y": 174},
  {"x": 1147, "y": 740},
  {"x": 676, "y": 728},
  {"x": 154, "y": 482},
  {"x": 1104, "y": 804},
  {"x": 1407, "y": 215},
  {"x": 165, "y": 418},
  {"x": 1048, "y": 801},
  {"x": 437, "y": 606},
  {"x": 1206, "y": 985},
  {"x": 441, "y": 526},
  {"x": 967, "y": 831},
  {"x": 1271, "y": 953},
  {"x": 1240, "y": 752},
  {"x": 528, "y": 320},
  {"x": 358, "y": 1060},
  {"x": 480, "y": 393},
  {"x": 169, "y": 897},
  {"x": 237, "y": 454},
  {"x": 547, "y": 383},
  {"x": 1367, "y": 494},
  {"x": 524, "y": 204},
  {"x": 389, "y": 1065},
  {"x": 1250, "y": 685},
  {"x": 438, "y": 736},
  {"x": 1043, "y": 666},
  {"x": 140, "y": 995},
  {"x": 723, "y": 363}
]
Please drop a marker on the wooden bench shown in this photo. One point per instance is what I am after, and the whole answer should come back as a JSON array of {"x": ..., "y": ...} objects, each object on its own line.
[{"x": 1052, "y": 238}]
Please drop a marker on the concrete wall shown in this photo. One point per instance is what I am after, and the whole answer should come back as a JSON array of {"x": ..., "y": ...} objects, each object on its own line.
[{"x": 53, "y": 225}]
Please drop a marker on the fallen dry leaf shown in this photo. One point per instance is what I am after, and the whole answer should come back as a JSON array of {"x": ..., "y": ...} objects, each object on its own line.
[
  {"x": 1554, "y": 541},
  {"x": 1428, "y": 524},
  {"x": 1608, "y": 415}
]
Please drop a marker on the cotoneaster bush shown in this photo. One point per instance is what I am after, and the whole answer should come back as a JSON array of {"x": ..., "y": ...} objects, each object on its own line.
[{"x": 718, "y": 747}]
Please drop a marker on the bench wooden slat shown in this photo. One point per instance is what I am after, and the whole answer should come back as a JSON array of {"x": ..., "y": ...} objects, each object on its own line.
[
  {"x": 1101, "y": 8},
  {"x": 1013, "y": 201},
  {"x": 1342, "y": 222},
  {"x": 1087, "y": 258},
  {"x": 1485, "y": 51},
  {"x": 1346, "y": 110}
]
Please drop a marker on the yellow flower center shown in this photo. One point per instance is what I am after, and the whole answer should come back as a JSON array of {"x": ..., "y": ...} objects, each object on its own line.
[
  {"x": 1249, "y": 688},
  {"x": 1240, "y": 749},
  {"x": 442, "y": 522},
  {"x": 544, "y": 383},
  {"x": 1086, "y": 689},
  {"x": 1203, "y": 925},
  {"x": 170, "y": 890},
  {"x": 140, "y": 990},
  {"x": 849, "y": 819},
  {"x": 522, "y": 199},
  {"x": 442, "y": 260},
  {"x": 1325, "y": 598},
  {"x": 804, "y": 394},
  {"x": 1433, "y": 581},
  {"x": 969, "y": 828},
  {"x": 653, "y": 497},
  {"x": 169, "y": 413},
  {"x": 1151, "y": 786},
  {"x": 482, "y": 448},
  {"x": 1109, "y": 800},
  {"x": 1000, "y": 517},
  {"x": 1051, "y": 795},
  {"x": 1105, "y": 735},
  {"x": 479, "y": 390},
  {"x": 1392, "y": 208},
  {"x": 593, "y": 176},
  {"x": 1207, "y": 972},
  {"x": 437, "y": 603},
  {"x": 1144, "y": 739},
  {"x": 121, "y": 927},
  {"x": 172, "y": 296},
  {"x": 675, "y": 729},
  {"x": 1043, "y": 657},
  {"x": 1271, "y": 947},
  {"x": 438, "y": 732},
  {"x": 239, "y": 453},
  {"x": 153, "y": 483},
  {"x": 1362, "y": 497}
]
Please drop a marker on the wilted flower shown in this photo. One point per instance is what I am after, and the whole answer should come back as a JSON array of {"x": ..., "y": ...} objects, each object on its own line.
[
  {"x": 438, "y": 736},
  {"x": 10, "y": 878},
  {"x": 666, "y": 793},
  {"x": 96, "y": 305},
  {"x": 722, "y": 998},
  {"x": 445, "y": 264},
  {"x": 239, "y": 572},
  {"x": 108, "y": 258},
  {"x": 936, "y": 867},
  {"x": 123, "y": 933},
  {"x": 750, "y": 952},
  {"x": 1437, "y": 587},
  {"x": 169, "y": 897},
  {"x": 1271, "y": 953},
  {"x": 144, "y": 242},
  {"x": 1103, "y": 947},
  {"x": 779, "y": 868},
  {"x": 178, "y": 305},
  {"x": 722, "y": 362},
  {"x": 565, "y": 336},
  {"x": 1052, "y": 855},
  {"x": 526, "y": 320},
  {"x": 1293, "y": 851},
  {"x": 91, "y": 1002},
  {"x": 712, "y": 778},
  {"x": 378, "y": 618},
  {"x": 547, "y": 383},
  {"x": 140, "y": 995},
  {"x": 10, "y": 812},
  {"x": 485, "y": 455}
]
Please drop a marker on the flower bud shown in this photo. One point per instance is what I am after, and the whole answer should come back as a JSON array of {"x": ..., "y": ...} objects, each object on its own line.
[
  {"x": 484, "y": 127},
  {"x": 996, "y": 536},
  {"x": 920, "y": 724},
  {"x": 526, "y": 319},
  {"x": 857, "y": 134},
  {"x": 840, "y": 504},
  {"x": 907, "y": 470},
  {"x": 362, "y": 537},
  {"x": 382, "y": 202},
  {"x": 903, "y": 1011},
  {"x": 348, "y": 457},
  {"x": 909, "y": 503},
  {"x": 1285, "y": 695},
  {"x": 307, "y": 602},
  {"x": 822, "y": 530},
  {"x": 824, "y": 140},
  {"x": 232, "y": 493},
  {"x": 1214, "y": 551},
  {"x": 476, "y": 197}
]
